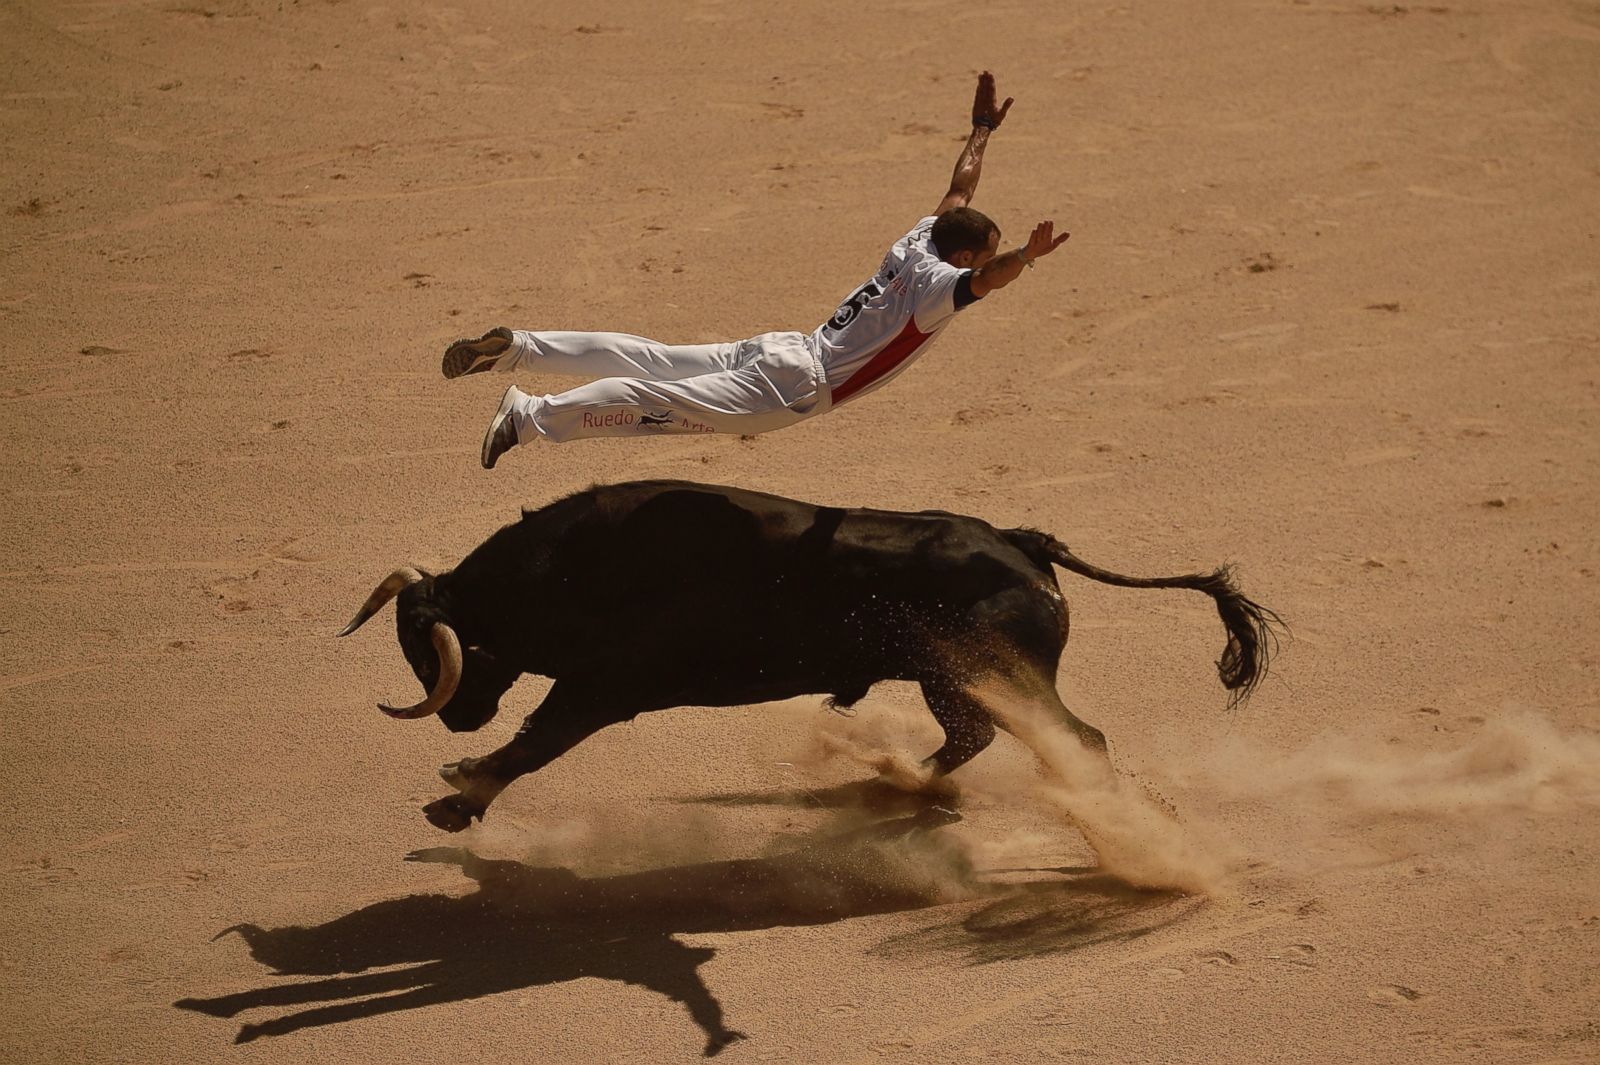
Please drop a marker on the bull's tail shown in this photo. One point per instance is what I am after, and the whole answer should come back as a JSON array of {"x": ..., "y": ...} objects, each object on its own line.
[{"x": 1252, "y": 628}]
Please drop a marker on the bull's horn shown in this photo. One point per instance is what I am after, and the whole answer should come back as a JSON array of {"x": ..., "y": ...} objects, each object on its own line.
[
  {"x": 448, "y": 648},
  {"x": 386, "y": 590}
]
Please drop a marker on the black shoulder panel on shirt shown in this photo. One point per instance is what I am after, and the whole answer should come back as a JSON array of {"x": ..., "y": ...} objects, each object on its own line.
[{"x": 964, "y": 293}]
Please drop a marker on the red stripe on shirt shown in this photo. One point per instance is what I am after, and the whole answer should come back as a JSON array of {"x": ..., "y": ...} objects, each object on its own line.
[{"x": 891, "y": 355}]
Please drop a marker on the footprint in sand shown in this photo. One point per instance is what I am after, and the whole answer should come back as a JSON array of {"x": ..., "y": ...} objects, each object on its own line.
[
  {"x": 1378, "y": 455},
  {"x": 1393, "y": 995}
]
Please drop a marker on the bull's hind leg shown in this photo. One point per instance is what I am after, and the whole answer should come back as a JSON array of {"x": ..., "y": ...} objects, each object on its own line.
[
  {"x": 1006, "y": 663},
  {"x": 569, "y": 714},
  {"x": 1030, "y": 709},
  {"x": 968, "y": 728},
  {"x": 1087, "y": 734}
]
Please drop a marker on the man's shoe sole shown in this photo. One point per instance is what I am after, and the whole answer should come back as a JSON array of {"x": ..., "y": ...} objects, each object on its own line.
[
  {"x": 476, "y": 356},
  {"x": 489, "y": 456}
]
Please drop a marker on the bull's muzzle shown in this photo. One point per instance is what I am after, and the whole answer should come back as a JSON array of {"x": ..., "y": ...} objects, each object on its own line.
[{"x": 448, "y": 648}]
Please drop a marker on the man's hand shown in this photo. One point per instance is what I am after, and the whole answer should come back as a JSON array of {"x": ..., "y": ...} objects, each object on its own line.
[
  {"x": 1042, "y": 241},
  {"x": 1003, "y": 269},
  {"x": 984, "y": 110}
]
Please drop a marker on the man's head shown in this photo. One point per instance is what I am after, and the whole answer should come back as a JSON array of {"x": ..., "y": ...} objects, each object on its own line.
[{"x": 965, "y": 238}]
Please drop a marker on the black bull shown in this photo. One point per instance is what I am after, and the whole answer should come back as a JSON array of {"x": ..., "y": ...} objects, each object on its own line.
[{"x": 643, "y": 596}]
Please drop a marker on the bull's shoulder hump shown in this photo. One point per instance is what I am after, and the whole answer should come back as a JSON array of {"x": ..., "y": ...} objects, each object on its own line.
[{"x": 636, "y": 492}]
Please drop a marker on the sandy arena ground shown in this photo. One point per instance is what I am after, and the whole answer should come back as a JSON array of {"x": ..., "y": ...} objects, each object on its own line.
[{"x": 1331, "y": 310}]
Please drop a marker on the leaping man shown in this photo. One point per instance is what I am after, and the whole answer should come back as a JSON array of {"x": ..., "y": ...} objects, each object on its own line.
[{"x": 948, "y": 261}]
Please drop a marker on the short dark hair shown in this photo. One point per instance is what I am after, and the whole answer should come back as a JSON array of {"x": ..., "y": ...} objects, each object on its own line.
[{"x": 962, "y": 229}]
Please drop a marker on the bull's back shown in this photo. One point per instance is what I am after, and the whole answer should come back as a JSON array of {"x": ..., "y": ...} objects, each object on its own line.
[{"x": 735, "y": 565}]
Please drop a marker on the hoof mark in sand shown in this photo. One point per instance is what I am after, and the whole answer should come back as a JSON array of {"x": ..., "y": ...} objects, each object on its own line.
[{"x": 98, "y": 349}]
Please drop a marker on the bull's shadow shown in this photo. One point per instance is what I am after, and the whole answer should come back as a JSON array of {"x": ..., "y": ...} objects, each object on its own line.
[{"x": 527, "y": 926}]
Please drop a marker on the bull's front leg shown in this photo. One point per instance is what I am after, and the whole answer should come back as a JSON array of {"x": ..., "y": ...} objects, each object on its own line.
[{"x": 569, "y": 714}]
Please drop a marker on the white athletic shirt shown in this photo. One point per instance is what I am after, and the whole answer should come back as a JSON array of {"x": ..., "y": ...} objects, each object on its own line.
[{"x": 887, "y": 322}]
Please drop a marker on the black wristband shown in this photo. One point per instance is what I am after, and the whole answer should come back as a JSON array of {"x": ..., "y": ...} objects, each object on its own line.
[{"x": 986, "y": 122}]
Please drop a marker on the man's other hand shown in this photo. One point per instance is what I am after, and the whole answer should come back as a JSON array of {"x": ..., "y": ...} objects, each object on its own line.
[
  {"x": 983, "y": 105},
  {"x": 1043, "y": 241}
]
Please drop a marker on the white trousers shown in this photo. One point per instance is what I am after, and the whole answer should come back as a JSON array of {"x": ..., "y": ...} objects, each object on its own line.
[{"x": 749, "y": 386}]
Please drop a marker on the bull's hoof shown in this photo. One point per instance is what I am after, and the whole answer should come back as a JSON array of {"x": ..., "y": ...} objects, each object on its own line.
[{"x": 453, "y": 812}]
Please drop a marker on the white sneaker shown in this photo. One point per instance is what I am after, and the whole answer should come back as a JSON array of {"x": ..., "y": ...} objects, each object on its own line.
[
  {"x": 475, "y": 356},
  {"x": 502, "y": 434}
]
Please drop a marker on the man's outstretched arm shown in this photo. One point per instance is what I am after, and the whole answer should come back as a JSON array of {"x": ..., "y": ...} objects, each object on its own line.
[
  {"x": 1007, "y": 267},
  {"x": 986, "y": 117}
]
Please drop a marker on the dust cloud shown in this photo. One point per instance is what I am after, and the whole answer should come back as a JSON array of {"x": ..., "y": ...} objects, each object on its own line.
[{"x": 895, "y": 835}]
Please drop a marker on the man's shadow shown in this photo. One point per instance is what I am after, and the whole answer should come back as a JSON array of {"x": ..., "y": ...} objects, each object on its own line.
[{"x": 526, "y": 926}]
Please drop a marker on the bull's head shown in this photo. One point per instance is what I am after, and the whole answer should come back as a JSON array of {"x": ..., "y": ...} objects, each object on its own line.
[{"x": 464, "y": 698}]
